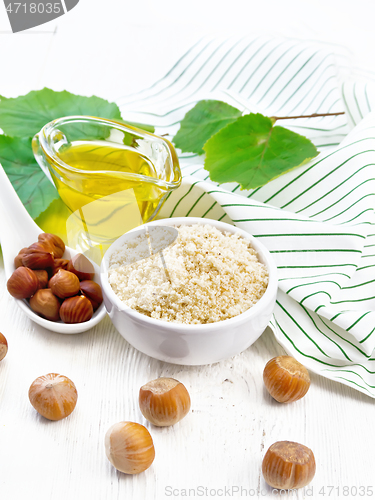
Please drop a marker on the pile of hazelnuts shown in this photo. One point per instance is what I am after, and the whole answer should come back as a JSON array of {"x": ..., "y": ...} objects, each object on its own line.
[{"x": 57, "y": 288}]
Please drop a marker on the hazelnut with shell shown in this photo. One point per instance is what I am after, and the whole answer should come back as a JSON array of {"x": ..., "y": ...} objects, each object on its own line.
[
  {"x": 94, "y": 304},
  {"x": 164, "y": 401},
  {"x": 54, "y": 396},
  {"x": 45, "y": 303},
  {"x": 59, "y": 264},
  {"x": 81, "y": 267},
  {"x": 129, "y": 447},
  {"x": 38, "y": 256},
  {"x": 55, "y": 242},
  {"x": 93, "y": 292},
  {"x": 76, "y": 309},
  {"x": 286, "y": 379},
  {"x": 42, "y": 276},
  {"x": 18, "y": 258},
  {"x": 288, "y": 465},
  {"x": 23, "y": 283},
  {"x": 64, "y": 284},
  {"x": 3, "y": 346}
]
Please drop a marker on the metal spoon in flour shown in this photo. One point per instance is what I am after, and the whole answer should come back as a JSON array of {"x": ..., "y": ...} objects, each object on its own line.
[{"x": 18, "y": 230}]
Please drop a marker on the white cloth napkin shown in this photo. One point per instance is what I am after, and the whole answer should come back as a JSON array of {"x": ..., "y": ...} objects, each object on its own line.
[{"x": 318, "y": 221}]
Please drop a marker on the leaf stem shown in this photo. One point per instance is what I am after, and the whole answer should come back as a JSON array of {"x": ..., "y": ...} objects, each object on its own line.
[{"x": 314, "y": 115}]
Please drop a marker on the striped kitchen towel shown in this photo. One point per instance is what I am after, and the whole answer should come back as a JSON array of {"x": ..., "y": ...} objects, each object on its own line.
[{"x": 318, "y": 221}]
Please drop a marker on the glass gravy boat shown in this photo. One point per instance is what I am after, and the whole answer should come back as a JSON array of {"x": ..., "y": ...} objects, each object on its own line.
[{"x": 112, "y": 176}]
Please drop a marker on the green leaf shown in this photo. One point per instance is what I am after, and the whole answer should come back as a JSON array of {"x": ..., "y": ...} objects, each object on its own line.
[
  {"x": 202, "y": 122},
  {"x": 251, "y": 151},
  {"x": 24, "y": 116},
  {"x": 32, "y": 186}
]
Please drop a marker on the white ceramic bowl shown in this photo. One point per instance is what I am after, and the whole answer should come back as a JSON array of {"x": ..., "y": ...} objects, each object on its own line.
[{"x": 192, "y": 344}]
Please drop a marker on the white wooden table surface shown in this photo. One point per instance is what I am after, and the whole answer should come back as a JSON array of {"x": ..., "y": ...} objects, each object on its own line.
[{"x": 110, "y": 49}]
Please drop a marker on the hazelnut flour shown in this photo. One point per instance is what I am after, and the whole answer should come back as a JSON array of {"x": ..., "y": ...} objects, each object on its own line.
[{"x": 211, "y": 276}]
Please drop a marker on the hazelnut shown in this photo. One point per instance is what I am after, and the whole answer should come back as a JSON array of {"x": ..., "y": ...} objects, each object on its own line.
[
  {"x": 18, "y": 258},
  {"x": 45, "y": 303},
  {"x": 23, "y": 283},
  {"x": 164, "y": 401},
  {"x": 286, "y": 379},
  {"x": 94, "y": 304},
  {"x": 3, "y": 346},
  {"x": 42, "y": 276},
  {"x": 76, "y": 310},
  {"x": 41, "y": 246},
  {"x": 64, "y": 284},
  {"x": 55, "y": 242},
  {"x": 93, "y": 292},
  {"x": 38, "y": 256},
  {"x": 129, "y": 447},
  {"x": 81, "y": 267},
  {"x": 59, "y": 264},
  {"x": 288, "y": 465},
  {"x": 53, "y": 396}
]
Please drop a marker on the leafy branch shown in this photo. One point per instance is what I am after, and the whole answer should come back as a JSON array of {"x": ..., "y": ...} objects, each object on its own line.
[{"x": 249, "y": 149}]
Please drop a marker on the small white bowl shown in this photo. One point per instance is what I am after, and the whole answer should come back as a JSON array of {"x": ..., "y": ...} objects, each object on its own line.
[{"x": 191, "y": 344}]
